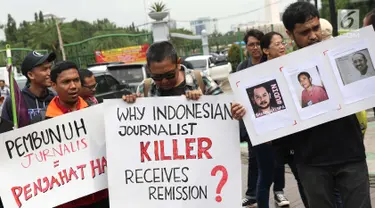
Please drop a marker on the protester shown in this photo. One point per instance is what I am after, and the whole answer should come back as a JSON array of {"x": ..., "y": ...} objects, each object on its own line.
[
  {"x": 89, "y": 85},
  {"x": 34, "y": 99},
  {"x": 330, "y": 155},
  {"x": 268, "y": 157},
  {"x": 66, "y": 82},
  {"x": 170, "y": 78},
  {"x": 252, "y": 41},
  {"x": 4, "y": 90},
  {"x": 326, "y": 29},
  {"x": 369, "y": 19}
]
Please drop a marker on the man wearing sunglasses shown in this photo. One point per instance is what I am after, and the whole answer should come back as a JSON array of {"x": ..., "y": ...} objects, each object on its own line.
[
  {"x": 89, "y": 84},
  {"x": 170, "y": 78}
]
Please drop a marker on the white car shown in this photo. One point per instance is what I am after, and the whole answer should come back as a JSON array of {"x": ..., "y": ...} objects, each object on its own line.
[{"x": 218, "y": 71}]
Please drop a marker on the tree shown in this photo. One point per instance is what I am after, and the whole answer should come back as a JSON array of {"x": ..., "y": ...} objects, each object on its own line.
[
  {"x": 36, "y": 17},
  {"x": 10, "y": 30},
  {"x": 41, "y": 17},
  {"x": 234, "y": 56}
]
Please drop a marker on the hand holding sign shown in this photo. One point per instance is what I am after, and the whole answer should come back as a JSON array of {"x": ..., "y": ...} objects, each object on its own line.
[{"x": 169, "y": 157}]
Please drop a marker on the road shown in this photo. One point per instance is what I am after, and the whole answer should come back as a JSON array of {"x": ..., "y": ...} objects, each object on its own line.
[{"x": 291, "y": 190}]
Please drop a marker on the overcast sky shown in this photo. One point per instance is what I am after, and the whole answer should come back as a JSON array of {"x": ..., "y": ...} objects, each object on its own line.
[{"x": 124, "y": 12}]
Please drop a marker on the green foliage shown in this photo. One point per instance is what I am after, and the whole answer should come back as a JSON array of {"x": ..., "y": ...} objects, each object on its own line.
[
  {"x": 41, "y": 17},
  {"x": 234, "y": 56},
  {"x": 11, "y": 29},
  {"x": 42, "y": 34},
  {"x": 158, "y": 7}
]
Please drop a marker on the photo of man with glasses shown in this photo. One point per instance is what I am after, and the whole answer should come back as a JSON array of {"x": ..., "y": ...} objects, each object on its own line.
[{"x": 89, "y": 84}]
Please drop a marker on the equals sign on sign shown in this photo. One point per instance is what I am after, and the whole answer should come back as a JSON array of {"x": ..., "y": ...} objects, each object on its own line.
[{"x": 56, "y": 163}]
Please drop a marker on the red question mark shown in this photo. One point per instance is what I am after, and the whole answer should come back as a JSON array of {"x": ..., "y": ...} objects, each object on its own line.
[{"x": 223, "y": 180}]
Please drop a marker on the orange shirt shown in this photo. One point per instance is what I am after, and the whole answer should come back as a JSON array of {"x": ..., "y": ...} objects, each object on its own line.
[{"x": 55, "y": 109}]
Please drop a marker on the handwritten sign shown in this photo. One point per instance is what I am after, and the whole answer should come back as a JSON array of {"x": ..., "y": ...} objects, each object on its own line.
[
  {"x": 54, "y": 161},
  {"x": 170, "y": 152}
]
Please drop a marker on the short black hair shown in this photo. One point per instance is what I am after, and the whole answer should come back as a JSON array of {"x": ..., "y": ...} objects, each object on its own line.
[
  {"x": 265, "y": 42},
  {"x": 253, "y": 33},
  {"x": 84, "y": 73},
  {"x": 304, "y": 73},
  {"x": 160, "y": 51},
  {"x": 260, "y": 86},
  {"x": 370, "y": 18},
  {"x": 61, "y": 66},
  {"x": 298, "y": 13}
]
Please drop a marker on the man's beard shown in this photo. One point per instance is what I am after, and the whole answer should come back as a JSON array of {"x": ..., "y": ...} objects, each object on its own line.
[
  {"x": 299, "y": 46},
  {"x": 263, "y": 108}
]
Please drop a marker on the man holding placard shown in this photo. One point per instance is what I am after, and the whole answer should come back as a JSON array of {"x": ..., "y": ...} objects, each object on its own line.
[
  {"x": 170, "y": 78},
  {"x": 66, "y": 82},
  {"x": 330, "y": 155}
]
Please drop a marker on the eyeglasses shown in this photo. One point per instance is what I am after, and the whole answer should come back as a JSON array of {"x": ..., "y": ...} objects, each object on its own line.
[
  {"x": 278, "y": 44},
  {"x": 92, "y": 86},
  {"x": 169, "y": 75},
  {"x": 253, "y": 45}
]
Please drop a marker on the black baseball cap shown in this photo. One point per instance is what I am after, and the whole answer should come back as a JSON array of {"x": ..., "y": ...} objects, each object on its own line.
[{"x": 34, "y": 59}]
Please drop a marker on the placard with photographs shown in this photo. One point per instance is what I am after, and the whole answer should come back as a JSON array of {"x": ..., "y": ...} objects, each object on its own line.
[
  {"x": 267, "y": 105},
  {"x": 354, "y": 70},
  {"x": 311, "y": 91}
]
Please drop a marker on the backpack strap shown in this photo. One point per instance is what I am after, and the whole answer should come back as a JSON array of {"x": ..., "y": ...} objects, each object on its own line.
[
  {"x": 146, "y": 86},
  {"x": 199, "y": 79}
]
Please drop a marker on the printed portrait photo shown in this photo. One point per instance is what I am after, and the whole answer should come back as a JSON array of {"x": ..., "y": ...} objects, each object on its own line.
[
  {"x": 355, "y": 66},
  {"x": 265, "y": 98},
  {"x": 309, "y": 87}
]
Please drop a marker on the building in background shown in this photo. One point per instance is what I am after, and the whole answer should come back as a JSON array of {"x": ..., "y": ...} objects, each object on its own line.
[
  {"x": 172, "y": 24},
  {"x": 272, "y": 13},
  {"x": 204, "y": 23}
]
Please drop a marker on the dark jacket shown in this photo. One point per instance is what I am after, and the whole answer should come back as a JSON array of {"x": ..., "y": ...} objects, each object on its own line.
[
  {"x": 336, "y": 142},
  {"x": 36, "y": 106},
  {"x": 244, "y": 137},
  {"x": 247, "y": 63}
]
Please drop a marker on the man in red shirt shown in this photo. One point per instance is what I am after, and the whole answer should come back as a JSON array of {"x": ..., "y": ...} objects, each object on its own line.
[
  {"x": 311, "y": 94},
  {"x": 66, "y": 82}
]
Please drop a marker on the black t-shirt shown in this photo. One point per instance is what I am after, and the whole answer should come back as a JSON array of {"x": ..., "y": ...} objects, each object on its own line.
[
  {"x": 176, "y": 91},
  {"x": 336, "y": 142}
]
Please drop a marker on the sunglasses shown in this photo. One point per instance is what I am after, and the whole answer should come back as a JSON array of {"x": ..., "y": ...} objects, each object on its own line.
[
  {"x": 92, "y": 86},
  {"x": 169, "y": 75}
]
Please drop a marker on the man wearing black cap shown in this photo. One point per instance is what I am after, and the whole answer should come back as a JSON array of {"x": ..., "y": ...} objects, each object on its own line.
[{"x": 34, "y": 99}]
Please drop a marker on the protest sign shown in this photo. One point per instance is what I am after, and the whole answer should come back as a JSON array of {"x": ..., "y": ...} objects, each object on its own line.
[
  {"x": 54, "y": 161},
  {"x": 170, "y": 152},
  {"x": 317, "y": 84}
]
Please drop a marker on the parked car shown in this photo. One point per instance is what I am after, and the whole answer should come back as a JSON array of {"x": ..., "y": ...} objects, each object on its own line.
[
  {"x": 109, "y": 87},
  {"x": 217, "y": 67},
  {"x": 130, "y": 74}
]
